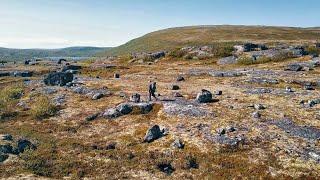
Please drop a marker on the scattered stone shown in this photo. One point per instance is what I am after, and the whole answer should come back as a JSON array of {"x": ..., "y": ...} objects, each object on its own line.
[
  {"x": 144, "y": 108},
  {"x": 314, "y": 156},
  {"x": 58, "y": 79},
  {"x": 61, "y": 60},
  {"x": 71, "y": 67},
  {"x": 192, "y": 163},
  {"x": 116, "y": 75},
  {"x": 259, "y": 106},
  {"x": 294, "y": 67},
  {"x": 135, "y": 98},
  {"x": 260, "y": 80},
  {"x": 97, "y": 96},
  {"x": 111, "y": 113},
  {"x": 152, "y": 134},
  {"x": 221, "y": 131},
  {"x": 6, "y": 137},
  {"x": 175, "y": 87},
  {"x": 308, "y": 87},
  {"x": 24, "y": 144},
  {"x": 6, "y": 149},
  {"x": 111, "y": 146},
  {"x": 92, "y": 117},
  {"x": 310, "y": 103},
  {"x": 127, "y": 108},
  {"x": 3, "y": 74},
  {"x": 180, "y": 78},
  {"x": 178, "y": 144},
  {"x": 256, "y": 115},
  {"x": 22, "y": 73},
  {"x": 226, "y": 74},
  {"x": 166, "y": 168},
  {"x": 289, "y": 89},
  {"x": 3, "y": 157},
  {"x": 258, "y": 91},
  {"x": 124, "y": 108},
  {"x": 218, "y": 93},
  {"x": 177, "y": 94},
  {"x": 204, "y": 97}
]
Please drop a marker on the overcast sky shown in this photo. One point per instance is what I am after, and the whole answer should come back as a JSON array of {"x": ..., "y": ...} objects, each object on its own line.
[{"x": 62, "y": 23}]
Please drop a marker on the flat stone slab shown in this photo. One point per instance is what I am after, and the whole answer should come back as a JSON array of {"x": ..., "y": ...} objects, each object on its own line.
[
  {"x": 181, "y": 107},
  {"x": 307, "y": 132}
]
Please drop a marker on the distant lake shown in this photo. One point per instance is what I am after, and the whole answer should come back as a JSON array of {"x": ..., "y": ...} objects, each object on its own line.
[{"x": 67, "y": 58}]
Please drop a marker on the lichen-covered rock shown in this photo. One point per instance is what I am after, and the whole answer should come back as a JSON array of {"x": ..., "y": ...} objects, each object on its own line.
[
  {"x": 6, "y": 149},
  {"x": 294, "y": 67},
  {"x": 204, "y": 96},
  {"x": 152, "y": 134},
  {"x": 111, "y": 113},
  {"x": 58, "y": 78},
  {"x": 97, "y": 96},
  {"x": 24, "y": 144},
  {"x": 124, "y": 108}
]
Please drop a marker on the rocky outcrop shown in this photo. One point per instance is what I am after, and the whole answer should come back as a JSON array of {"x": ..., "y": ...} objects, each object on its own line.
[{"x": 58, "y": 78}]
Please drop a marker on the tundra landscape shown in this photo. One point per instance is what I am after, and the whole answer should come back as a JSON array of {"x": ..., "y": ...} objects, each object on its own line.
[
  {"x": 228, "y": 106},
  {"x": 141, "y": 90}
]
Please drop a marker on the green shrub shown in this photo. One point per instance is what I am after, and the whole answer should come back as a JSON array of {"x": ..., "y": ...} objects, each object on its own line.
[
  {"x": 8, "y": 100},
  {"x": 177, "y": 53},
  {"x": 245, "y": 60},
  {"x": 43, "y": 108},
  {"x": 223, "y": 49}
]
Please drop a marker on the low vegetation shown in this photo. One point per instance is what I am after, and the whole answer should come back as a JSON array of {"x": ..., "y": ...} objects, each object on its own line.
[
  {"x": 43, "y": 108},
  {"x": 245, "y": 60},
  {"x": 9, "y": 97},
  {"x": 169, "y": 39}
]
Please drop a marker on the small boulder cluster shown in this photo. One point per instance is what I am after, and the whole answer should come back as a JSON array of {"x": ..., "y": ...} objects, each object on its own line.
[
  {"x": 10, "y": 146},
  {"x": 127, "y": 108}
]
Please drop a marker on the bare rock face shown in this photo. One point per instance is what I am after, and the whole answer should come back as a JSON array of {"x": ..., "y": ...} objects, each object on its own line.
[
  {"x": 204, "y": 96},
  {"x": 152, "y": 134},
  {"x": 58, "y": 78}
]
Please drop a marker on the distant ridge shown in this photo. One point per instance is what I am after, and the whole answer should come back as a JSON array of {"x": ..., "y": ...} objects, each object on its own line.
[
  {"x": 8, "y": 54},
  {"x": 205, "y": 34}
]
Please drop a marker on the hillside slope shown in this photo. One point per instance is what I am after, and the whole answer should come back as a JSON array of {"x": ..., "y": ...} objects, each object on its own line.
[
  {"x": 22, "y": 54},
  {"x": 202, "y": 35}
]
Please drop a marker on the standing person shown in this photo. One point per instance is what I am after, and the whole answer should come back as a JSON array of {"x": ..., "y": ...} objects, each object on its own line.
[{"x": 152, "y": 90}]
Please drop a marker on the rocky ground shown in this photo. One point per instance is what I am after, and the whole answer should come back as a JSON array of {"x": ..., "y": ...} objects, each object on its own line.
[{"x": 211, "y": 120}]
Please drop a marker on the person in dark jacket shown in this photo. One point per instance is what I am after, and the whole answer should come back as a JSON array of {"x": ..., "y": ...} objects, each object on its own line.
[{"x": 152, "y": 90}]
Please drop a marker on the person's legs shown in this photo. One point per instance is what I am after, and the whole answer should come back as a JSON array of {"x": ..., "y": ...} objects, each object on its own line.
[
  {"x": 154, "y": 96},
  {"x": 150, "y": 95}
]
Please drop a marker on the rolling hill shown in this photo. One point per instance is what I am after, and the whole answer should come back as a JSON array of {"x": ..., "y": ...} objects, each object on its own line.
[
  {"x": 202, "y": 35},
  {"x": 22, "y": 54}
]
